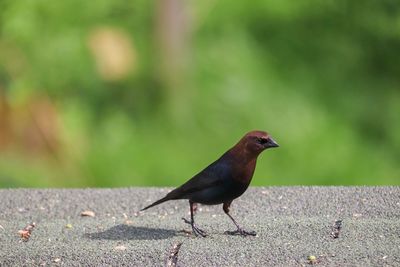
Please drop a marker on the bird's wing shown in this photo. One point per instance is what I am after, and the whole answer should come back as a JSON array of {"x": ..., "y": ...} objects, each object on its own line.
[{"x": 214, "y": 175}]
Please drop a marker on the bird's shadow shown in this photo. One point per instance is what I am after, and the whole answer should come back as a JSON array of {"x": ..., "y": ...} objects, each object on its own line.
[{"x": 129, "y": 232}]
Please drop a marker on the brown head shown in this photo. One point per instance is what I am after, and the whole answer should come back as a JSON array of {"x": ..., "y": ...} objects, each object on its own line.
[
  {"x": 256, "y": 142},
  {"x": 244, "y": 154}
]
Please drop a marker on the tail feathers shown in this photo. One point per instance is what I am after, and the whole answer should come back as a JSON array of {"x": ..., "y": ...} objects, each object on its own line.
[{"x": 157, "y": 202}]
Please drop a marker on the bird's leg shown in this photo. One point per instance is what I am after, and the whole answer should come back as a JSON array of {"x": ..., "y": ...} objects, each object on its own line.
[
  {"x": 239, "y": 230},
  {"x": 194, "y": 208},
  {"x": 197, "y": 231}
]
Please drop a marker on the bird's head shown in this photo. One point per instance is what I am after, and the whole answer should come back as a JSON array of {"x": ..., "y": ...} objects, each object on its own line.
[{"x": 257, "y": 141}]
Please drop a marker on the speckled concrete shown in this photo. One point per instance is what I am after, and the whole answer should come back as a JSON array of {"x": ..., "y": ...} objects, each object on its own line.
[{"x": 292, "y": 223}]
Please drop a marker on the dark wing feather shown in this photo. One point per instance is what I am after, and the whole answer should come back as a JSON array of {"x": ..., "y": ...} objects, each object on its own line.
[{"x": 214, "y": 175}]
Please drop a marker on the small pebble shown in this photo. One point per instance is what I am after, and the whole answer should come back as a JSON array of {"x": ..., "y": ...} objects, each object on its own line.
[
  {"x": 88, "y": 213},
  {"x": 312, "y": 259},
  {"x": 120, "y": 247}
]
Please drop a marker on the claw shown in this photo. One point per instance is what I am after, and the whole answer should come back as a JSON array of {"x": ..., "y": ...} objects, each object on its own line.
[
  {"x": 197, "y": 231},
  {"x": 241, "y": 232},
  {"x": 186, "y": 221}
]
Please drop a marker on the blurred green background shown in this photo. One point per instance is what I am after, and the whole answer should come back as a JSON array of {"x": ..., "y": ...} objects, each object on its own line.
[{"x": 140, "y": 93}]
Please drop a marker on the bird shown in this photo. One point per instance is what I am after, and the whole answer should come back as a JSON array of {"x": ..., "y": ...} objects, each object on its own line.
[{"x": 224, "y": 180}]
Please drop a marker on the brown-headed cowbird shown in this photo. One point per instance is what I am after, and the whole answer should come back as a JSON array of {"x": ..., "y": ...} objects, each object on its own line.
[{"x": 223, "y": 180}]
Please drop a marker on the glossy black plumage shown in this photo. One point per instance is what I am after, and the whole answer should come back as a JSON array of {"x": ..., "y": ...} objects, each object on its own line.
[{"x": 225, "y": 179}]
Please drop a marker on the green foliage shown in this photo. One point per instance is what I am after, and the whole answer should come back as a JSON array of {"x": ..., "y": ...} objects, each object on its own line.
[{"x": 321, "y": 76}]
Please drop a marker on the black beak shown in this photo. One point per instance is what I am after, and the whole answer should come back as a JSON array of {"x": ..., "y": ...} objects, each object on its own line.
[{"x": 271, "y": 143}]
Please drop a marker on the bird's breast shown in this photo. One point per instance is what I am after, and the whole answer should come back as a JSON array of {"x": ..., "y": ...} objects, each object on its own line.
[{"x": 244, "y": 173}]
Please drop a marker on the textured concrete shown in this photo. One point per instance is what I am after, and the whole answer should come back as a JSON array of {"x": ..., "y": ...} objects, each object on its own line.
[{"x": 292, "y": 223}]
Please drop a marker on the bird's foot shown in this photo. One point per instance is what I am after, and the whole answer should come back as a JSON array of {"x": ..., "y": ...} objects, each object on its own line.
[
  {"x": 241, "y": 232},
  {"x": 186, "y": 221},
  {"x": 197, "y": 231}
]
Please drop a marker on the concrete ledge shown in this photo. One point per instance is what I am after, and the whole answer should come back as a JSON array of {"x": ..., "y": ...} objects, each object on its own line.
[{"x": 292, "y": 223}]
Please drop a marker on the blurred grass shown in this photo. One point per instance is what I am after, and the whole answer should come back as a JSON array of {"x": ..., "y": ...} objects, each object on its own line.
[{"x": 148, "y": 93}]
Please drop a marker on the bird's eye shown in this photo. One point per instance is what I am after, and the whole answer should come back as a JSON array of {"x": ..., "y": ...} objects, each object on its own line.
[{"x": 263, "y": 140}]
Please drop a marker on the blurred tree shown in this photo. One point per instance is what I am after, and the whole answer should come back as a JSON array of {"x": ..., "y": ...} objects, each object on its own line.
[{"x": 147, "y": 92}]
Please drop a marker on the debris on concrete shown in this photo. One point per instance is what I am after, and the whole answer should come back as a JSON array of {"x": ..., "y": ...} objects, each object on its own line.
[
  {"x": 337, "y": 226},
  {"x": 172, "y": 260},
  {"x": 88, "y": 213},
  {"x": 27, "y": 231},
  {"x": 312, "y": 259},
  {"x": 120, "y": 248}
]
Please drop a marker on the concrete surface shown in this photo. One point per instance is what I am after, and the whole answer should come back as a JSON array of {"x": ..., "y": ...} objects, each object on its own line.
[{"x": 292, "y": 224}]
